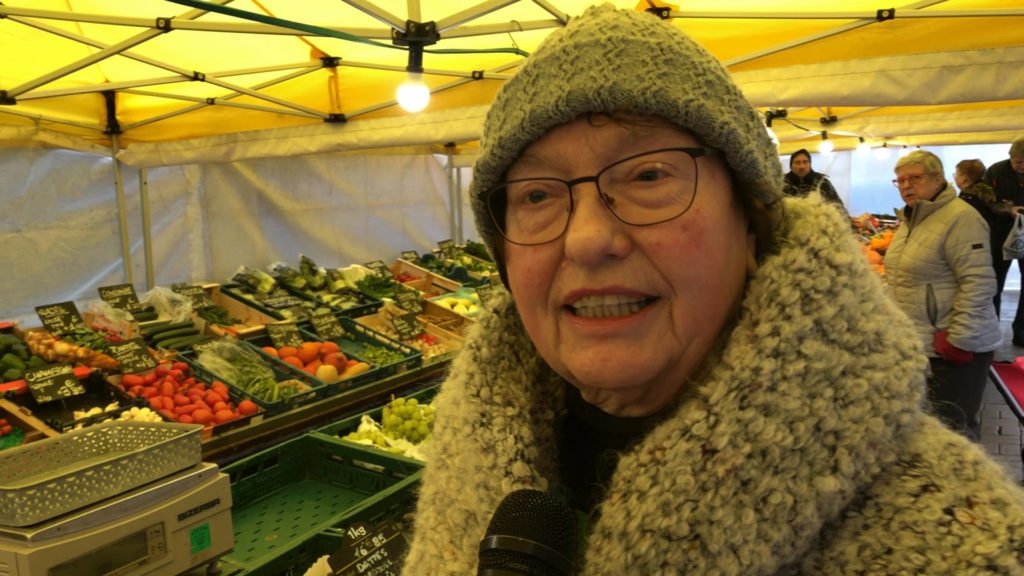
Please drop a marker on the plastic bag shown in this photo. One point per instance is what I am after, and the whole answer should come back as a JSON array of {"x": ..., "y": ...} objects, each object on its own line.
[{"x": 1013, "y": 247}]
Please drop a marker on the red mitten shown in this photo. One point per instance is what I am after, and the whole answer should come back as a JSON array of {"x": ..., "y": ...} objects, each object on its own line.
[{"x": 955, "y": 355}]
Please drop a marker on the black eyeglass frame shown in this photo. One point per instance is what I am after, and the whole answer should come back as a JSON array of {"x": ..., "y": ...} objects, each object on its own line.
[{"x": 497, "y": 213}]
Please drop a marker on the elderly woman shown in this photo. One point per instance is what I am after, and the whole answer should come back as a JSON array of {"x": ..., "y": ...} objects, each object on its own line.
[
  {"x": 939, "y": 267},
  {"x": 709, "y": 374}
]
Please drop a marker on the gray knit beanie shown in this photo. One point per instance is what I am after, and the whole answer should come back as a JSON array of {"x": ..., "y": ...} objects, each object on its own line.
[{"x": 610, "y": 60}]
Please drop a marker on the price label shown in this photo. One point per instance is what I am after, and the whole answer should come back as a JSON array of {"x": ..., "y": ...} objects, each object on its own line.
[
  {"x": 284, "y": 334},
  {"x": 379, "y": 267},
  {"x": 367, "y": 549},
  {"x": 409, "y": 301},
  {"x": 410, "y": 255},
  {"x": 60, "y": 318},
  {"x": 199, "y": 296},
  {"x": 407, "y": 326},
  {"x": 133, "y": 355},
  {"x": 484, "y": 293},
  {"x": 282, "y": 302},
  {"x": 447, "y": 248},
  {"x": 326, "y": 325},
  {"x": 53, "y": 383},
  {"x": 120, "y": 296}
]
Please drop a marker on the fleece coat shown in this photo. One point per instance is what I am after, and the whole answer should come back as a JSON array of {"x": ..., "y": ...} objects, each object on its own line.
[{"x": 803, "y": 449}]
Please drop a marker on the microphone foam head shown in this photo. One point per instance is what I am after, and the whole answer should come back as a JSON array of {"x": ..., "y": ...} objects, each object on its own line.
[{"x": 535, "y": 517}]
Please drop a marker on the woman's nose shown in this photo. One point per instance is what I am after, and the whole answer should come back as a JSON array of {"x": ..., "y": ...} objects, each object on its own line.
[{"x": 593, "y": 230}]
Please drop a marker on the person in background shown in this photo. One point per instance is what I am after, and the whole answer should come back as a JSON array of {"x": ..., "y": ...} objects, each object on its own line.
[
  {"x": 968, "y": 178},
  {"x": 1006, "y": 177},
  {"x": 939, "y": 268},
  {"x": 801, "y": 180},
  {"x": 706, "y": 371}
]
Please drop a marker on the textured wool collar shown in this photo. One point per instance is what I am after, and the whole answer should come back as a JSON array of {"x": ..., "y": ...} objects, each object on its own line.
[{"x": 815, "y": 390}]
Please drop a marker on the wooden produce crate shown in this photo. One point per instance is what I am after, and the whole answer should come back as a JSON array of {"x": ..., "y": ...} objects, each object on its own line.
[
  {"x": 445, "y": 319},
  {"x": 27, "y": 427},
  {"x": 427, "y": 282},
  {"x": 251, "y": 319},
  {"x": 440, "y": 346}
]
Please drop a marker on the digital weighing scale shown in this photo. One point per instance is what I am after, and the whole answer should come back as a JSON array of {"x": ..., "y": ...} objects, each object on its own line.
[{"x": 178, "y": 524}]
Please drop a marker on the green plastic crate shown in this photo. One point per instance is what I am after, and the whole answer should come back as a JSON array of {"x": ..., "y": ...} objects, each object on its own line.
[
  {"x": 335, "y": 430},
  {"x": 282, "y": 371},
  {"x": 287, "y": 496}
]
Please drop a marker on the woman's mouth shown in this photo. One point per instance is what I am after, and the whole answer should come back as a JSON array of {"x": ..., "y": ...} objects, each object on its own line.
[{"x": 608, "y": 306}]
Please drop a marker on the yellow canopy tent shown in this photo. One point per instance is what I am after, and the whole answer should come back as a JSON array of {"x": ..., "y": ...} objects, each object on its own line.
[
  {"x": 172, "y": 81},
  {"x": 272, "y": 130}
]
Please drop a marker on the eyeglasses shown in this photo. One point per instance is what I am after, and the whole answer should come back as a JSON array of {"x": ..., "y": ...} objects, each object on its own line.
[
  {"x": 908, "y": 180},
  {"x": 640, "y": 190}
]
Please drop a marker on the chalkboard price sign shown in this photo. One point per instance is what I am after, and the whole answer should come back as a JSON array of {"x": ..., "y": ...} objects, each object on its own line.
[
  {"x": 60, "y": 318},
  {"x": 379, "y": 267},
  {"x": 369, "y": 549},
  {"x": 326, "y": 325},
  {"x": 409, "y": 301},
  {"x": 120, "y": 296},
  {"x": 53, "y": 383},
  {"x": 484, "y": 293},
  {"x": 284, "y": 334},
  {"x": 407, "y": 326},
  {"x": 199, "y": 296},
  {"x": 447, "y": 248},
  {"x": 410, "y": 255},
  {"x": 133, "y": 355}
]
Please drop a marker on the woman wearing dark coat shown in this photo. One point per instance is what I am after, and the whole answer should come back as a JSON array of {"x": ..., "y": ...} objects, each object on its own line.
[{"x": 974, "y": 191}]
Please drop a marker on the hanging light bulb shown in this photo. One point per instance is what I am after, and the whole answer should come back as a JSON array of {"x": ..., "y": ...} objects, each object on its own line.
[
  {"x": 882, "y": 152},
  {"x": 863, "y": 146},
  {"x": 904, "y": 151},
  {"x": 413, "y": 95},
  {"x": 826, "y": 146}
]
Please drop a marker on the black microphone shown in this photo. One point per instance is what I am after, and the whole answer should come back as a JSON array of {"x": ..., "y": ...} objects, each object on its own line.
[{"x": 532, "y": 533}]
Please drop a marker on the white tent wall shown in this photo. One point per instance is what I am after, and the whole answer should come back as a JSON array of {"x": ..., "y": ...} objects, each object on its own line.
[{"x": 60, "y": 238}]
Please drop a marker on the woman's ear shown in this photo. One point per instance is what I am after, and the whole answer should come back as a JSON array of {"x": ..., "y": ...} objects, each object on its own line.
[{"x": 751, "y": 252}]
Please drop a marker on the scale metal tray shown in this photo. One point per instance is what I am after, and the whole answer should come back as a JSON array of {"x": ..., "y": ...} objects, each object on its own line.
[{"x": 51, "y": 477}]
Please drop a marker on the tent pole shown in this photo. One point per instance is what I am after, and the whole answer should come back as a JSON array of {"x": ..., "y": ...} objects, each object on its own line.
[
  {"x": 452, "y": 196},
  {"x": 458, "y": 203},
  {"x": 121, "y": 216},
  {"x": 147, "y": 236}
]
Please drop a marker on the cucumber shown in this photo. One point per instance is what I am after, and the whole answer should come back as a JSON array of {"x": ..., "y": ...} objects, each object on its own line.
[
  {"x": 150, "y": 328},
  {"x": 170, "y": 327},
  {"x": 162, "y": 337},
  {"x": 144, "y": 315}
]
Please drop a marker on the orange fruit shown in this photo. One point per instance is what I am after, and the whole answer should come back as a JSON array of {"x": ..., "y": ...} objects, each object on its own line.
[
  {"x": 294, "y": 361},
  {"x": 270, "y": 350},
  {"x": 309, "y": 351},
  {"x": 328, "y": 347},
  {"x": 336, "y": 359},
  {"x": 312, "y": 367},
  {"x": 287, "y": 351}
]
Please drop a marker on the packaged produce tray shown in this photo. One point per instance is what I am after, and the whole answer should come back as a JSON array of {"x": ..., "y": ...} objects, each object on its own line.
[
  {"x": 336, "y": 430},
  {"x": 54, "y": 476},
  {"x": 250, "y": 318},
  {"x": 281, "y": 372},
  {"x": 288, "y": 495}
]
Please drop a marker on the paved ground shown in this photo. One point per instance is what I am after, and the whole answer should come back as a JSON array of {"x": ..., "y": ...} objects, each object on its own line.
[{"x": 1001, "y": 432}]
